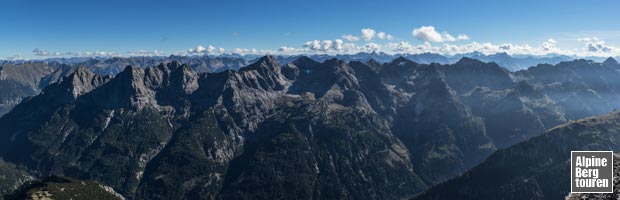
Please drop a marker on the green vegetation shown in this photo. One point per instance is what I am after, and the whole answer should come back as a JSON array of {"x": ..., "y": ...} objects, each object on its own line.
[{"x": 61, "y": 188}]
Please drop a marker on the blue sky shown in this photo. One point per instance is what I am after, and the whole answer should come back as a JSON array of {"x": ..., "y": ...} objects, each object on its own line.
[{"x": 136, "y": 27}]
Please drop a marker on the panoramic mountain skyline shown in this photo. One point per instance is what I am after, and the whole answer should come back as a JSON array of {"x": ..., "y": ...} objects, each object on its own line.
[
  {"x": 142, "y": 28},
  {"x": 273, "y": 99},
  {"x": 327, "y": 130}
]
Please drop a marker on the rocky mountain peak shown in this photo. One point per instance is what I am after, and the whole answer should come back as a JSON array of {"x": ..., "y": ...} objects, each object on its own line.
[
  {"x": 81, "y": 70},
  {"x": 189, "y": 79},
  {"x": 127, "y": 89},
  {"x": 432, "y": 79},
  {"x": 333, "y": 61},
  {"x": 469, "y": 61},
  {"x": 268, "y": 59},
  {"x": 468, "y": 74},
  {"x": 374, "y": 65},
  {"x": 373, "y": 62},
  {"x": 305, "y": 62},
  {"x": 78, "y": 83},
  {"x": 83, "y": 81},
  {"x": 502, "y": 55},
  {"x": 172, "y": 66},
  {"x": 131, "y": 74},
  {"x": 610, "y": 61},
  {"x": 401, "y": 61},
  {"x": 172, "y": 76},
  {"x": 265, "y": 63}
]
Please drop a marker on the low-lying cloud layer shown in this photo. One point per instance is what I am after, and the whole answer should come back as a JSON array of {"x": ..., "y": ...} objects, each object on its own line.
[{"x": 45, "y": 53}]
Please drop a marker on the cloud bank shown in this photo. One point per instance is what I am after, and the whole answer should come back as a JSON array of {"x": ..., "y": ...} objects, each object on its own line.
[{"x": 45, "y": 53}]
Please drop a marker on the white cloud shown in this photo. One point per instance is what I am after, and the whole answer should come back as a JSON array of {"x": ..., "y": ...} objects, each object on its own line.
[
  {"x": 595, "y": 45},
  {"x": 15, "y": 57},
  {"x": 400, "y": 47},
  {"x": 197, "y": 50},
  {"x": 549, "y": 45},
  {"x": 201, "y": 50},
  {"x": 384, "y": 36},
  {"x": 292, "y": 50},
  {"x": 599, "y": 46},
  {"x": 211, "y": 49},
  {"x": 381, "y": 35},
  {"x": 39, "y": 52},
  {"x": 313, "y": 45},
  {"x": 350, "y": 38},
  {"x": 349, "y": 48},
  {"x": 462, "y": 37},
  {"x": 145, "y": 53},
  {"x": 485, "y": 48},
  {"x": 429, "y": 34},
  {"x": 368, "y": 34},
  {"x": 370, "y": 47},
  {"x": 336, "y": 45},
  {"x": 44, "y": 53},
  {"x": 286, "y": 50},
  {"x": 244, "y": 51},
  {"x": 327, "y": 44},
  {"x": 98, "y": 53}
]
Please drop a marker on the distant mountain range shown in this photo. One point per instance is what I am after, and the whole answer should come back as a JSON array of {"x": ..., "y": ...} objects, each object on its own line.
[
  {"x": 510, "y": 62},
  {"x": 302, "y": 128},
  {"x": 43, "y": 72}
]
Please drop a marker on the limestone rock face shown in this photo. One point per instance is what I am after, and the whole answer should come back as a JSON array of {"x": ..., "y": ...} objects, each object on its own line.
[{"x": 306, "y": 129}]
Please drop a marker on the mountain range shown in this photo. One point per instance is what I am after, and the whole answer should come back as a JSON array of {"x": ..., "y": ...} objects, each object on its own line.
[
  {"x": 21, "y": 79},
  {"x": 40, "y": 73},
  {"x": 305, "y": 129},
  {"x": 512, "y": 63}
]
